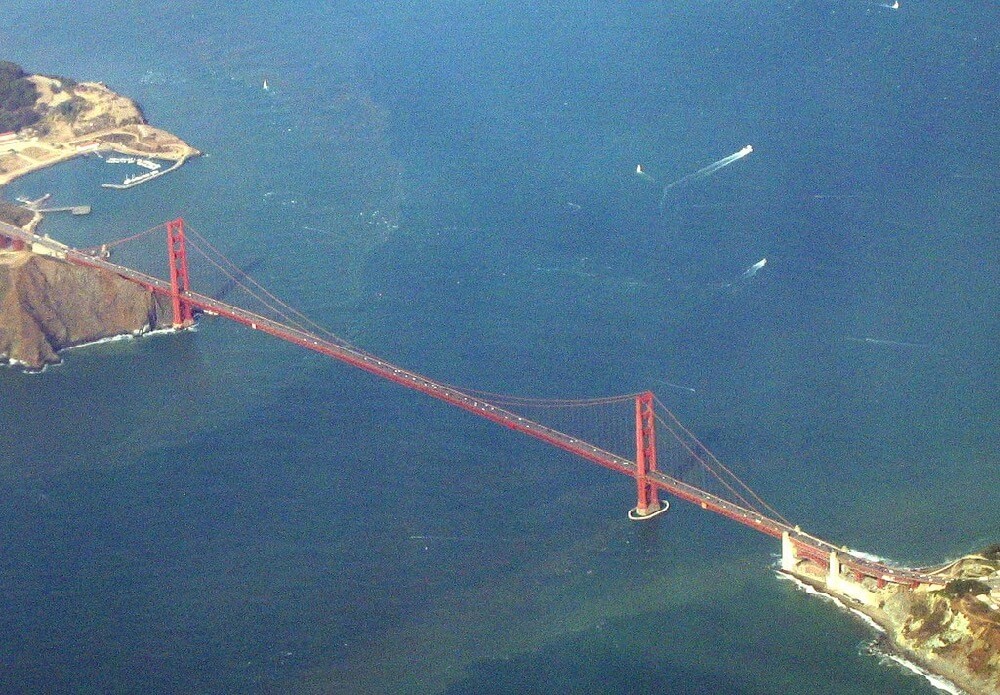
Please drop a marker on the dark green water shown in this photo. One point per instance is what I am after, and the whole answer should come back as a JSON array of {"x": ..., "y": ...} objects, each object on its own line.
[{"x": 218, "y": 512}]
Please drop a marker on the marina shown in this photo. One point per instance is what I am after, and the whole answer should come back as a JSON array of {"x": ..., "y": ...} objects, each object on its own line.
[
  {"x": 131, "y": 181},
  {"x": 222, "y": 511},
  {"x": 139, "y": 161}
]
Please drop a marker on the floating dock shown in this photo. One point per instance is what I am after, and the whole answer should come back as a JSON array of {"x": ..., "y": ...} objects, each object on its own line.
[{"x": 131, "y": 181}]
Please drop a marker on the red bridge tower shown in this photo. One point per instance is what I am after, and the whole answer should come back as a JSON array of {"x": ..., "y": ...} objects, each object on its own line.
[
  {"x": 180, "y": 283},
  {"x": 648, "y": 504}
]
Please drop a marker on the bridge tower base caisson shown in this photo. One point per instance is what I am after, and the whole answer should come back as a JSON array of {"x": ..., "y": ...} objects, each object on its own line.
[
  {"x": 648, "y": 502},
  {"x": 180, "y": 282}
]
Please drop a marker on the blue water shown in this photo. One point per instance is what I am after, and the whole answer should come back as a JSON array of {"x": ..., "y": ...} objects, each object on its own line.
[{"x": 452, "y": 186}]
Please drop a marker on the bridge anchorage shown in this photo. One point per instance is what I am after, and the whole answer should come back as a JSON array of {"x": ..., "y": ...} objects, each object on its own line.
[{"x": 678, "y": 465}]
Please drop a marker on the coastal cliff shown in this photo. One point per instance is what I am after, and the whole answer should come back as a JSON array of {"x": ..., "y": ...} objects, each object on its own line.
[
  {"x": 47, "y": 305},
  {"x": 53, "y": 119},
  {"x": 955, "y": 631},
  {"x": 951, "y": 629}
]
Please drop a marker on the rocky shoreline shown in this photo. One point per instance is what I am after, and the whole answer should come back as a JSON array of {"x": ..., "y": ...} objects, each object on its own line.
[
  {"x": 46, "y": 304},
  {"x": 82, "y": 118},
  {"x": 951, "y": 631}
]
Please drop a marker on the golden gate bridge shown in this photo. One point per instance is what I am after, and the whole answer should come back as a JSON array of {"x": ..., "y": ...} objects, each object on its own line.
[{"x": 656, "y": 465}]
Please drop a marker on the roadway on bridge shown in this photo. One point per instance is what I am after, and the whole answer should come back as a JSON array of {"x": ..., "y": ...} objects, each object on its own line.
[{"x": 807, "y": 546}]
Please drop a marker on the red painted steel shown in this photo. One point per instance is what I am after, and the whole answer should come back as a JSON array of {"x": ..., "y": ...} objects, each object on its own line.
[
  {"x": 806, "y": 546},
  {"x": 648, "y": 499},
  {"x": 180, "y": 283}
]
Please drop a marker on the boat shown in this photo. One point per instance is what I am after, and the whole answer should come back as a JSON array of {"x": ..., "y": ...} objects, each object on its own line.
[{"x": 148, "y": 176}]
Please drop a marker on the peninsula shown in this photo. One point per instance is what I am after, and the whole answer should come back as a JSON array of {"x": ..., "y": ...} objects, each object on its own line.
[
  {"x": 945, "y": 619},
  {"x": 47, "y": 304},
  {"x": 47, "y": 120},
  {"x": 950, "y": 629}
]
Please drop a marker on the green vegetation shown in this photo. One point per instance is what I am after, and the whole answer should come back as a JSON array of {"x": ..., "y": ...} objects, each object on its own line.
[
  {"x": 15, "y": 215},
  {"x": 70, "y": 109},
  {"x": 992, "y": 552},
  {"x": 17, "y": 98},
  {"x": 965, "y": 587},
  {"x": 61, "y": 83}
]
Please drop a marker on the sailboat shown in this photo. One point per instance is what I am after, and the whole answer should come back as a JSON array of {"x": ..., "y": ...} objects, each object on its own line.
[{"x": 265, "y": 85}]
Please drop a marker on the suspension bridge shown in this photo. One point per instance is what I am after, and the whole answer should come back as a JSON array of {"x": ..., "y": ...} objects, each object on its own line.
[{"x": 664, "y": 466}]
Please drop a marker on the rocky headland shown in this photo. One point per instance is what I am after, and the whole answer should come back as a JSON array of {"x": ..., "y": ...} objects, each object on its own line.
[
  {"x": 951, "y": 629},
  {"x": 46, "y": 303},
  {"x": 954, "y": 631},
  {"x": 53, "y": 119}
]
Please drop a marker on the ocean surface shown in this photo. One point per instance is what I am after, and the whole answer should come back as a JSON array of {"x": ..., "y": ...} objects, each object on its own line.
[{"x": 452, "y": 186}]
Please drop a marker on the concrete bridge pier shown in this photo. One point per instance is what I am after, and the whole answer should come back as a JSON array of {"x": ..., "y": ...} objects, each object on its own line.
[
  {"x": 838, "y": 583},
  {"x": 788, "y": 555}
]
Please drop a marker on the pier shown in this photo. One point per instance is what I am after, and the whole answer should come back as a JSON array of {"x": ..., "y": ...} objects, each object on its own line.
[
  {"x": 36, "y": 206},
  {"x": 143, "y": 178},
  {"x": 71, "y": 209}
]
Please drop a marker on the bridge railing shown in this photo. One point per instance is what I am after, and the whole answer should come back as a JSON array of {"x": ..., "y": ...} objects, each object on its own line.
[{"x": 808, "y": 545}]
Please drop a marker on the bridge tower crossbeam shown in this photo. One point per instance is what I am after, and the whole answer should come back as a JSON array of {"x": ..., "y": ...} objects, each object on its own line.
[
  {"x": 180, "y": 283},
  {"x": 647, "y": 493},
  {"x": 796, "y": 545}
]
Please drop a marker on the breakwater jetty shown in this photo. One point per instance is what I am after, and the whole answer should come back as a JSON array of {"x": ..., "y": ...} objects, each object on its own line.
[{"x": 131, "y": 181}]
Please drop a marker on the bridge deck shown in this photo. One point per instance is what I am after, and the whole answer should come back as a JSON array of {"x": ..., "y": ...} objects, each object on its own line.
[{"x": 807, "y": 546}]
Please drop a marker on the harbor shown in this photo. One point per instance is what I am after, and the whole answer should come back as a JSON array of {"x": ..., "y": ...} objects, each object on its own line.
[
  {"x": 131, "y": 181},
  {"x": 139, "y": 161},
  {"x": 142, "y": 146}
]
